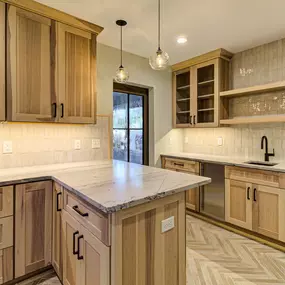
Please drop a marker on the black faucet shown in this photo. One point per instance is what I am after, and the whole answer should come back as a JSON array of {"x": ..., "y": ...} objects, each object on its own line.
[{"x": 266, "y": 155}]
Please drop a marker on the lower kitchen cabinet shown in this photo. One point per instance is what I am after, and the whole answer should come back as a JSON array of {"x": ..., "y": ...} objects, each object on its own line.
[
  {"x": 57, "y": 229},
  {"x": 6, "y": 264},
  {"x": 86, "y": 260},
  {"x": 33, "y": 227}
]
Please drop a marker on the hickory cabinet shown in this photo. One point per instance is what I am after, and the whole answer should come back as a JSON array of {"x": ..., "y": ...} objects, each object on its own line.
[
  {"x": 50, "y": 70},
  {"x": 255, "y": 201}
]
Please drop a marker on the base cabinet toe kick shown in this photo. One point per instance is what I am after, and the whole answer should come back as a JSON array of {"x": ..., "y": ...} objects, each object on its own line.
[{"x": 43, "y": 225}]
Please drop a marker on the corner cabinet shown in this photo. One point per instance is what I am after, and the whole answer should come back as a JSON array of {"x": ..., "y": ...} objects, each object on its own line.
[
  {"x": 2, "y": 61},
  {"x": 196, "y": 90},
  {"x": 76, "y": 74}
]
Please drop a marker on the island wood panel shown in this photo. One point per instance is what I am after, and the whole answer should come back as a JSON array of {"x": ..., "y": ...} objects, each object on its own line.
[
  {"x": 6, "y": 264},
  {"x": 269, "y": 212},
  {"x": 6, "y": 232},
  {"x": 2, "y": 61},
  {"x": 140, "y": 253},
  {"x": 57, "y": 229},
  {"x": 33, "y": 227},
  {"x": 238, "y": 208},
  {"x": 76, "y": 67},
  {"x": 30, "y": 40},
  {"x": 6, "y": 201},
  {"x": 71, "y": 266}
]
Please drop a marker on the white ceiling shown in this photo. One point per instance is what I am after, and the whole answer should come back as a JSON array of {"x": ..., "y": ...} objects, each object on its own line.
[{"x": 235, "y": 25}]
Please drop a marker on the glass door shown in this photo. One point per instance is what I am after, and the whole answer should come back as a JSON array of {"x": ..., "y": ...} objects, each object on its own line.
[{"x": 129, "y": 127}]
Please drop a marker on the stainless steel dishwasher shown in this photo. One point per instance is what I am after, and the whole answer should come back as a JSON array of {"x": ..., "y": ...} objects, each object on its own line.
[{"x": 212, "y": 196}]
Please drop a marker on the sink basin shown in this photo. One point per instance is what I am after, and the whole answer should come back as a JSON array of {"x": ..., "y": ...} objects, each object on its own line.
[{"x": 263, "y": 163}]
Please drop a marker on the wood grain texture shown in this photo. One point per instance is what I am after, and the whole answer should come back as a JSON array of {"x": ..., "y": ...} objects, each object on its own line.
[
  {"x": 6, "y": 201},
  {"x": 76, "y": 69},
  {"x": 54, "y": 14},
  {"x": 6, "y": 264},
  {"x": 28, "y": 52},
  {"x": 57, "y": 261},
  {"x": 33, "y": 227},
  {"x": 6, "y": 232},
  {"x": 141, "y": 254},
  {"x": 2, "y": 62}
]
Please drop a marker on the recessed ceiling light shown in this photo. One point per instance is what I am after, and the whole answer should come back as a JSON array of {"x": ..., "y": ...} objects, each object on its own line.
[{"x": 181, "y": 40}]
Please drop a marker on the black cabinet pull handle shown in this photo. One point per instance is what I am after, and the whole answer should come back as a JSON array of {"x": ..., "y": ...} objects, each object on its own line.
[
  {"x": 190, "y": 120},
  {"x": 74, "y": 250},
  {"x": 62, "y": 110},
  {"x": 76, "y": 209},
  {"x": 79, "y": 257},
  {"x": 57, "y": 202},
  {"x": 254, "y": 195},
  {"x": 248, "y": 189},
  {"x": 194, "y": 120},
  {"x": 54, "y": 109}
]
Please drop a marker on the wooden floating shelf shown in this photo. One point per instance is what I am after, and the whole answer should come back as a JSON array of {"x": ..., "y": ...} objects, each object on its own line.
[
  {"x": 270, "y": 87},
  {"x": 206, "y": 96},
  {"x": 206, "y": 110},
  {"x": 183, "y": 87},
  {"x": 254, "y": 120},
  {"x": 206, "y": 82},
  {"x": 183, "y": 112},
  {"x": 183, "y": 100}
]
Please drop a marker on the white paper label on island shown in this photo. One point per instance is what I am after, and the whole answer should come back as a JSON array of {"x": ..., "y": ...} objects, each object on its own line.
[{"x": 167, "y": 224}]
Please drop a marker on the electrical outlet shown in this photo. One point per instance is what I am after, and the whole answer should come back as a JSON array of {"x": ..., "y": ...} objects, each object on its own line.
[
  {"x": 77, "y": 144},
  {"x": 96, "y": 143},
  {"x": 220, "y": 141},
  {"x": 7, "y": 147},
  {"x": 186, "y": 140},
  {"x": 167, "y": 224}
]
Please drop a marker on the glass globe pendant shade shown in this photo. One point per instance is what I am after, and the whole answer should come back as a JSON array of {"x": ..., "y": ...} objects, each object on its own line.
[
  {"x": 159, "y": 61},
  {"x": 122, "y": 75}
]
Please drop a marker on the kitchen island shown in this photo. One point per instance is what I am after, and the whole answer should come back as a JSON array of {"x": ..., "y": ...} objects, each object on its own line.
[{"x": 116, "y": 223}]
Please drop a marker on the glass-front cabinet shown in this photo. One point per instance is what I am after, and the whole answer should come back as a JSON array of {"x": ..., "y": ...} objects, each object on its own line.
[{"x": 196, "y": 91}]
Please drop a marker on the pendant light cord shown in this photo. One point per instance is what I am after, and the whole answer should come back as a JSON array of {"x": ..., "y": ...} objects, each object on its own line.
[
  {"x": 159, "y": 24},
  {"x": 121, "y": 46}
]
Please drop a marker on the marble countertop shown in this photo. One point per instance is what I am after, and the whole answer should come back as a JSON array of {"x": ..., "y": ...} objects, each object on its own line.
[
  {"x": 226, "y": 160},
  {"x": 108, "y": 185}
]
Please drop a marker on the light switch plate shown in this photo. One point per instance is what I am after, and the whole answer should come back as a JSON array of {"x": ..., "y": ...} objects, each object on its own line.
[
  {"x": 77, "y": 144},
  {"x": 220, "y": 141},
  {"x": 96, "y": 143},
  {"x": 7, "y": 147},
  {"x": 167, "y": 224}
]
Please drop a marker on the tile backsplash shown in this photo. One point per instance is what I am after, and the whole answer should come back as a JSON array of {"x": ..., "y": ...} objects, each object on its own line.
[{"x": 38, "y": 144}]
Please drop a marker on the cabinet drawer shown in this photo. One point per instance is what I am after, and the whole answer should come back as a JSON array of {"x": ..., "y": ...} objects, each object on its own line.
[
  {"x": 6, "y": 201},
  {"x": 257, "y": 176},
  {"x": 180, "y": 164},
  {"x": 97, "y": 223},
  {"x": 6, "y": 265},
  {"x": 6, "y": 232}
]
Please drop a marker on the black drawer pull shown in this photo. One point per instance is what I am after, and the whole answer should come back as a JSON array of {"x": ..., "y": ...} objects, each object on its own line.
[
  {"x": 54, "y": 109},
  {"x": 248, "y": 189},
  {"x": 194, "y": 120},
  {"x": 254, "y": 195},
  {"x": 79, "y": 257},
  {"x": 57, "y": 202},
  {"x": 76, "y": 209},
  {"x": 178, "y": 164},
  {"x": 62, "y": 110},
  {"x": 190, "y": 120},
  {"x": 74, "y": 235}
]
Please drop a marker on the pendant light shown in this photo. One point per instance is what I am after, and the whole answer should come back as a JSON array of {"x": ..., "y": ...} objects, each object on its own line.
[
  {"x": 122, "y": 74},
  {"x": 160, "y": 60}
]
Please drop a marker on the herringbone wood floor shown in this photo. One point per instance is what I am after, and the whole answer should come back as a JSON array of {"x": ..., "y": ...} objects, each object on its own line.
[{"x": 218, "y": 257}]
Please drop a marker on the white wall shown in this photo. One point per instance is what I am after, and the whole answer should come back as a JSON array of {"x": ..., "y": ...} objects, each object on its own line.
[{"x": 162, "y": 137}]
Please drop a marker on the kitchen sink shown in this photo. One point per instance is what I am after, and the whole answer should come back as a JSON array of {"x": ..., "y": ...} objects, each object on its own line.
[{"x": 263, "y": 163}]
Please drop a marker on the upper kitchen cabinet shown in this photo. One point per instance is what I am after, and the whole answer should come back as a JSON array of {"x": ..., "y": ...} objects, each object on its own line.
[
  {"x": 30, "y": 62},
  {"x": 197, "y": 83},
  {"x": 76, "y": 74},
  {"x": 2, "y": 61}
]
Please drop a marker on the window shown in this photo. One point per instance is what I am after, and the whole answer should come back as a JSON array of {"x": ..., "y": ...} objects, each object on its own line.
[{"x": 130, "y": 138}]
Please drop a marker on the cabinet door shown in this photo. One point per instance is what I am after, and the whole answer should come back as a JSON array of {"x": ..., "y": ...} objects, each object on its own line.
[
  {"x": 76, "y": 74},
  {"x": 96, "y": 260},
  {"x": 238, "y": 203},
  {"x": 71, "y": 265},
  {"x": 2, "y": 61},
  {"x": 30, "y": 62},
  {"x": 269, "y": 211},
  {"x": 57, "y": 229},
  {"x": 6, "y": 265},
  {"x": 6, "y": 201},
  {"x": 33, "y": 227},
  {"x": 206, "y": 94}
]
